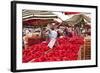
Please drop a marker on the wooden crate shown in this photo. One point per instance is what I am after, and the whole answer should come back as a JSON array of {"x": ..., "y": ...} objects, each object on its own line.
[{"x": 85, "y": 50}]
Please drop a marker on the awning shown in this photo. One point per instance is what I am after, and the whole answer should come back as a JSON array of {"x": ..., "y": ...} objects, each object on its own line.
[
  {"x": 37, "y": 14},
  {"x": 78, "y": 18}
]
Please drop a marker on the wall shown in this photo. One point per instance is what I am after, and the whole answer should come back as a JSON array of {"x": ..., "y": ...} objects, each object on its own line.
[{"x": 5, "y": 36}]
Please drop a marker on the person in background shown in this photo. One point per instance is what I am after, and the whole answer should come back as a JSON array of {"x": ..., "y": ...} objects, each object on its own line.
[
  {"x": 46, "y": 35},
  {"x": 77, "y": 30},
  {"x": 25, "y": 38},
  {"x": 69, "y": 31},
  {"x": 66, "y": 31}
]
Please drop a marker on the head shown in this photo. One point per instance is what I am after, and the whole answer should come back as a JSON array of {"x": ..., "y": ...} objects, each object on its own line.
[
  {"x": 27, "y": 31},
  {"x": 52, "y": 28},
  {"x": 53, "y": 24}
]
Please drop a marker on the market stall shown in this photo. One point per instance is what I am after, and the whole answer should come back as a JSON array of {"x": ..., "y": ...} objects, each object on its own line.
[{"x": 68, "y": 45}]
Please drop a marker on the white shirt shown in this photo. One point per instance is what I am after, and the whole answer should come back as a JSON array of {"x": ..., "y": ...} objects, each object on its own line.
[{"x": 53, "y": 34}]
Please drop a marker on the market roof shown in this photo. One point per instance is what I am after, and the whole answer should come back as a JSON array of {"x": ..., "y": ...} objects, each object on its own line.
[
  {"x": 37, "y": 14},
  {"x": 78, "y": 18}
]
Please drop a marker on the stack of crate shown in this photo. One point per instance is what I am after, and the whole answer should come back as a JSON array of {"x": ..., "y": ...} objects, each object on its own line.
[{"x": 85, "y": 50}]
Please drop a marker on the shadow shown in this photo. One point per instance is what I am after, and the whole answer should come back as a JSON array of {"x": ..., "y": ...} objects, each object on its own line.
[{"x": 12, "y": 72}]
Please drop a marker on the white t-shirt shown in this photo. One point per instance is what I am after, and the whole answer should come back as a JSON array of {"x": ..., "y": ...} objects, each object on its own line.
[{"x": 53, "y": 34}]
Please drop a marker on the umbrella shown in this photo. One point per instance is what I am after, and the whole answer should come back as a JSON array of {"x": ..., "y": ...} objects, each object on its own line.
[
  {"x": 36, "y": 14},
  {"x": 79, "y": 18}
]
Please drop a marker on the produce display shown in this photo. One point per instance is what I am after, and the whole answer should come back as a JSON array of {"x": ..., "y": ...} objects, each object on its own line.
[{"x": 67, "y": 49}]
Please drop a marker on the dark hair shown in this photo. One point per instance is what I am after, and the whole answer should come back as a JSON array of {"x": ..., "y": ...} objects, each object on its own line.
[
  {"x": 52, "y": 28},
  {"x": 29, "y": 30}
]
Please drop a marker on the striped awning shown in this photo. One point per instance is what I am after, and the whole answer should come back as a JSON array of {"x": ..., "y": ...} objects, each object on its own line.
[{"x": 37, "y": 14}]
